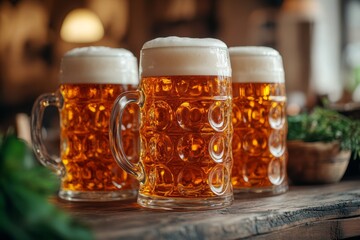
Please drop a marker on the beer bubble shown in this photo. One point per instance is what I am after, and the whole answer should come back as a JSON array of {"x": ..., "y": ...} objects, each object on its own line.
[
  {"x": 236, "y": 115},
  {"x": 160, "y": 115},
  {"x": 236, "y": 143},
  {"x": 92, "y": 107},
  {"x": 218, "y": 117},
  {"x": 109, "y": 92},
  {"x": 190, "y": 181},
  {"x": 255, "y": 171},
  {"x": 254, "y": 142},
  {"x": 161, "y": 148},
  {"x": 90, "y": 185},
  {"x": 103, "y": 146},
  {"x": 87, "y": 117},
  {"x": 219, "y": 179},
  {"x": 258, "y": 115},
  {"x": 277, "y": 115},
  {"x": 276, "y": 171},
  {"x": 93, "y": 92},
  {"x": 166, "y": 85},
  {"x": 148, "y": 86},
  {"x": 195, "y": 88},
  {"x": 189, "y": 115},
  {"x": 90, "y": 145},
  {"x": 191, "y": 147},
  {"x": 181, "y": 87},
  {"x": 218, "y": 148},
  {"x": 277, "y": 143},
  {"x": 99, "y": 174},
  {"x": 73, "y": 117},
  {"x": 101, "y": 118},
  {"x": 70, "y": 92},
  {"x": 161, "y": 180},
  {"x": 100, "y": 186},
  {"x": 75, "y": 146}
]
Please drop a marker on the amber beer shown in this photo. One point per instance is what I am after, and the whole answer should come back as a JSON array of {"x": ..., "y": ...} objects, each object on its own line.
[
  {"x": 259, "y": 120},
  {"x": 84, "y": 128},
  {"x": 91, "y": 79},
  {"x": 185, "y": 104}
]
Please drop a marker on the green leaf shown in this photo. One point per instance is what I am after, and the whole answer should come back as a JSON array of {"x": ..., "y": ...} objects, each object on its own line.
[
  {"x": 326, "y": 126},
  {"x": 24, "y": 190}
]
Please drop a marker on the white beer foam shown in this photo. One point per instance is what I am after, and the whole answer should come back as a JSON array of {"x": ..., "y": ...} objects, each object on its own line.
[
  {"x": 174, "y": 56},
  {"x": 99, "y": 65},
  {"x": 256, "y": 64}
]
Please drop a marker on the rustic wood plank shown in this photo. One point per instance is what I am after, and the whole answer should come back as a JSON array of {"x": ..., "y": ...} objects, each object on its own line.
[
  {"x": 328, "y": 229},
  {"x": 314, "y": 208}
]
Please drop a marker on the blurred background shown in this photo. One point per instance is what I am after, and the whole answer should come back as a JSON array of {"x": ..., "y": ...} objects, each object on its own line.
[{"x": 318, "y": 39}]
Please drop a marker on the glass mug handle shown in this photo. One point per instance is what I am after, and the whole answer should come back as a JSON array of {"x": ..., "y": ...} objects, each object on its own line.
[
  {"x": 42, "y": 102},
  {"x": 116, "y": 143}
]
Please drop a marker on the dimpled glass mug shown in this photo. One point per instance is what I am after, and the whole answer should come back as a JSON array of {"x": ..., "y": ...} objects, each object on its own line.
[
  {"x": 90, "y": 80},
  {"x": 259, "y": 120},
  {"x": 185, "y": 124}
]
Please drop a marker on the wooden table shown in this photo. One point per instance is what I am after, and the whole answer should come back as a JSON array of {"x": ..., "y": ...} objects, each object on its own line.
[{"x": 305, "y": 212}]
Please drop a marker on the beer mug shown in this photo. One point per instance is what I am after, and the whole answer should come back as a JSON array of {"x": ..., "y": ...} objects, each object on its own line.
[
  {"x": 184, "y": 97},
  {"x": 259, "y": 120},
  {"x": 91, "y": 78}
]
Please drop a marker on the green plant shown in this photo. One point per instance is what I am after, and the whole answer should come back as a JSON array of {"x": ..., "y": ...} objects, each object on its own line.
[
  {"x": 326, "y": 126},
  {"x": 25, "y": 187}
]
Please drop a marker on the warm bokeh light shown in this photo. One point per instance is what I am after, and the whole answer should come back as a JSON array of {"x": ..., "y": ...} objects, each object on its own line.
[{"x": 82, "y": 26}]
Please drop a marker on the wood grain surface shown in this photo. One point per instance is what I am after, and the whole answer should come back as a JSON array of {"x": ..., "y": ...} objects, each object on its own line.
[{"x": 305, "y": 212}]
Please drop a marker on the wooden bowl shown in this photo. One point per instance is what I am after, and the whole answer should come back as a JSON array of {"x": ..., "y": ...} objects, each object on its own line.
[{"x": 316, "y": 162}]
